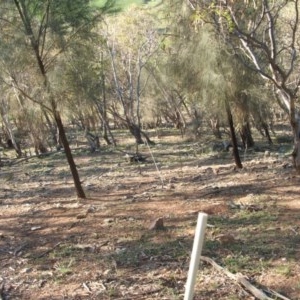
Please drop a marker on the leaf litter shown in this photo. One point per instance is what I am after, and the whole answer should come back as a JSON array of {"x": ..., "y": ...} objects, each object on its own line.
[{"x": 54, "y": 246}]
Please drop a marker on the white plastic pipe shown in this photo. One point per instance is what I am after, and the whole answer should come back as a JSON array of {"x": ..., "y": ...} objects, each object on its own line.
[{"x": 195, "y": 257}]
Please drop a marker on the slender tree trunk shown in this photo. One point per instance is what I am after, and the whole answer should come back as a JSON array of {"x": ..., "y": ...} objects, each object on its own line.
[
  {"x": 105, "y": 133},
  {"x": 295, "y": 123},
  {"x": 37, "y": 140},
  {"x": 63, "y": 138},
  {"x": 103, "y": 113},
  {"x": 215, "y": 126},
  {"x": 52, "y": 128},
  {"x": 289, "y": 99},
  {"x": 233, "y": 137},
  {"x": 246, "y": 136},
  {"x": 265, "y": 127},
  {"x": 35, "y": 45},
  {"x": 136, "y": 132},
  {"x": 9, "y": 130},
  {"x": 149, "y": 141},
  {"x": 106, "y": 125}
]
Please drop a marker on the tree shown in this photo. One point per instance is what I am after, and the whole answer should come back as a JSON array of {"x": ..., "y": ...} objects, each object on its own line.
[
  {"x": 132, "y": 42},
  {"x": 86, "y": 70},
  {"x": 208, "y": 74},
  {"x": 44, "y": 30},
  {"x": 264, "y": 36},
  {"x": 8, "y": 128}
]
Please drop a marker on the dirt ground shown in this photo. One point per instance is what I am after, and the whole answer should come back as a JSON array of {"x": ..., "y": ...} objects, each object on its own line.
[{"x": 54, "y": 246}]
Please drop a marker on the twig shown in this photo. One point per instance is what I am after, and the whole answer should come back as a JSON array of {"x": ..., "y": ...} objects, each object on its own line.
[
  {"x": 18, "y": 160},
  {"x": 49, "y": 250},
  {"x": 86, "y": 287},
  {"x": 19, "y": 249},
  {"x": 103, "y": 244},
  {"x": 293, "y": 229},
  {"x": 239, "y": 278},
  {"x": 211, "y": 193}
]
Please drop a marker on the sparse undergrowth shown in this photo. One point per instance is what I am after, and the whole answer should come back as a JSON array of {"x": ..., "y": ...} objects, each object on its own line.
[{"x": 54, "y": 246}]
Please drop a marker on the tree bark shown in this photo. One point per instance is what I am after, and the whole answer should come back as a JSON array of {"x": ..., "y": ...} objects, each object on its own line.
[
  {"x": 246, "y": 136},
  {"x": 36, "y": 46},
  {"x": 215, "y": 126},
  {"x": 64, "y": 140},
  {"x": 148, "y": 140},
  {"x": 8, "y": 129},
  {"x": 295, "y": 123},
  {"x": 265, "y": 127},
  {"x": 136, "y": 132},
  {"x": 103, "y": 111},
  {"x": 233, "y": 137},
  {"x": 52, "y": 128}
]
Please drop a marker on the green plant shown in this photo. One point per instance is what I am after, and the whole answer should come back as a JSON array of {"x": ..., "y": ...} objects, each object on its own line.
[
  {"x": 63, "y": 269},
  {"x": 284, "y": 269}
]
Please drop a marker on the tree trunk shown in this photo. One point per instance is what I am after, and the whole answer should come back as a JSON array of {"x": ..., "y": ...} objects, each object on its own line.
[
  {"x": 37, "y": 48},
  {"x": 106, "y": 129},
  {"x": 265, "y": 127},
  {"x": 103, "y": 111},
  {"x": 246, "y": 136},
  {"x": 39, "y": 147},
  {"x": 149, "y": 141},
  {"x": 93, "y": 140},
  {"x": 9, "y": 130},
  {"x": 136, "y": 132},
  {"x": 233, "y": 137},
  {"x": 294, "y": 116},
  {"x": 64, "y": 140},
  {"x": 295, "y": 123},
  {"x": 53, "y": 129},
  {"x": 215, "y": 126}
]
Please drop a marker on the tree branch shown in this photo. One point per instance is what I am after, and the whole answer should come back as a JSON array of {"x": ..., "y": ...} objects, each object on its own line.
[{"x": 240, "y": 279}]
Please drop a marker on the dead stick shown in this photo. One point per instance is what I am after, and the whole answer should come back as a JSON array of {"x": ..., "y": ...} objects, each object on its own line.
[
  {"x": 49, "y": 250},
  {"x": 239, "y": 278},
  {"x": 277, "y": 295},
  {"x": 86, "y": 287}
]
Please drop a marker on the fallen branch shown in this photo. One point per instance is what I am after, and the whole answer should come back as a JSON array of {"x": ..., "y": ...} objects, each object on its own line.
[
  {"x": 277, "y": 295},
  {"x": 49, "y": 250},
  {"x": 19, "y": 249},
  {"x": 41, "y": 155},
  {"x": 86, "y": 287},
  {"x": 239, "y": 278}
]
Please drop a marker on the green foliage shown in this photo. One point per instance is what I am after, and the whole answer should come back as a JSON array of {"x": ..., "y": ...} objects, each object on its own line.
[
  {"x": 117, "y": 6},
  {"x": 69, "y": 14},
  {"x": 200, "y": 15}
]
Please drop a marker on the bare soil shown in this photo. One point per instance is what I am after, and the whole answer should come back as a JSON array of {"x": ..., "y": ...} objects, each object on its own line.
[{"x": 55, "y": 246}]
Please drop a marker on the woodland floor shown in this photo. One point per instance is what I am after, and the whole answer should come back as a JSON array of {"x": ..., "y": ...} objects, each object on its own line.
[{"x": 54, "y": 246}]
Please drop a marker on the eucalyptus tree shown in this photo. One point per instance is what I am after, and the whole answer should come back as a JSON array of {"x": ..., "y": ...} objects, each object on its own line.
[
  {"x": 264, "y": 36},
  {"x": 132, "y": 42},
  {"x": 44, "y": 30}
]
